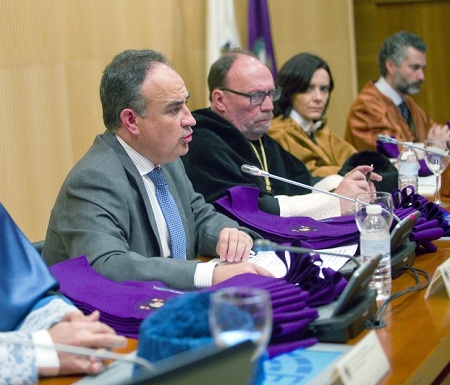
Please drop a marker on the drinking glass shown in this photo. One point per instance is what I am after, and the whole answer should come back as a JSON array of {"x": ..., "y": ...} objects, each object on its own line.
[
  {"x": 436, "y": 162},
  {"x": 384, "y": 199},
  {"x": 237, "y": 314}
]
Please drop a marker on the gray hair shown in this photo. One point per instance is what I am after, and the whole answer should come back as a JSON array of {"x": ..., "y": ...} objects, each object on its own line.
[
  {"x": 395, "y": 48},
  {"x": 121, "y": 83}
]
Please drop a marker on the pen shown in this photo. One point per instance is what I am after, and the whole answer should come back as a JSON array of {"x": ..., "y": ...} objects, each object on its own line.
[{"x": 369, "y": 173}]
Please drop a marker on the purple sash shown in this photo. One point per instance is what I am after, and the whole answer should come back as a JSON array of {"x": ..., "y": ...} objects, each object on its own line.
[
  {"x": 122, "y": 305},
  {"x": 241, "y": 203}
]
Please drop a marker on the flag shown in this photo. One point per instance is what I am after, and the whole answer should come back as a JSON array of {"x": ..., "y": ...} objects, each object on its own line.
[
  {"x": 221, "y": 30},
  {"x": 259, "y": 35}
]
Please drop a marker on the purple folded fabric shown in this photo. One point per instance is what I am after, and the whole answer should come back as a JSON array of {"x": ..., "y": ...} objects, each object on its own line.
[
  {"x": 285, "y": 347},
  {"x": 423, "y": 168},
  {"x": 432, "y": 224},
  {"x": 241, "y": 204},
  {"x": 296, "y": 324},
  {"x": 389, "y": 150},
  {"x": 122, "y": 305},
  {"x": 283, "y": 317}
]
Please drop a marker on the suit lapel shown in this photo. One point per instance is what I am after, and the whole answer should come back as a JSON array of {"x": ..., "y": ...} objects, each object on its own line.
[{"x": 134, "y": 177}]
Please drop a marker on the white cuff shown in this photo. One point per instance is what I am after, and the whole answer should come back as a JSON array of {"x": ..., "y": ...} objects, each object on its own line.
[
  {"x": 317, "y": 206},
  {"x": 329, "y": 183},
  {"x": 203, "y": 276},
  {"x": 45, "y": 353}
]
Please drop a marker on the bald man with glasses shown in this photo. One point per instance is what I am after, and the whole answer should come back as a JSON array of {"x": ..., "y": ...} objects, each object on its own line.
[{"x": 233, "y": 132}]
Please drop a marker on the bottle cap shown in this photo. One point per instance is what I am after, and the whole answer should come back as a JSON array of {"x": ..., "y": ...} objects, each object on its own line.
[{"x": 373, "y": 209}]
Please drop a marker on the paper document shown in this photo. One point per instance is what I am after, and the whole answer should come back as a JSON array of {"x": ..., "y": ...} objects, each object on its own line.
[
  {"x": 335, "y": 262},
  {"x": 271, "y": 262}
]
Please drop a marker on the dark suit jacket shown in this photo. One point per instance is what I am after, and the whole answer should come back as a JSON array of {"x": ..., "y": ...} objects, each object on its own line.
[{"x": 103, "y": 212}]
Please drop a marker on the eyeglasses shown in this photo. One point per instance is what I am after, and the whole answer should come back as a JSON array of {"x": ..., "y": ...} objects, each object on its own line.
[{"x": 257, "y": 98}]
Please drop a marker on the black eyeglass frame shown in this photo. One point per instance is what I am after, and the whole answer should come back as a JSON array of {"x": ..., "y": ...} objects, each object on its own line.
[{"x": 257, "y": 98}]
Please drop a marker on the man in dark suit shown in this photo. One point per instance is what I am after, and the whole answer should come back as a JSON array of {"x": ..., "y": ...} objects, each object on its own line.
[{"x": 107, "y": 208}]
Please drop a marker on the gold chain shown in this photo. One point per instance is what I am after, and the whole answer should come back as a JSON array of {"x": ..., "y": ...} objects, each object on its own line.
[{"x": 263, "y": 163}]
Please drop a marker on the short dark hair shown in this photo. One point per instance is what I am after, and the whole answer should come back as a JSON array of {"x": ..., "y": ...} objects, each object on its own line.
[
  {"x": 294, "y": 77},
  {"x": 395, "y": 48},
  {"x": 218, "y": 73},
  {"x": 121, "y": 83}
]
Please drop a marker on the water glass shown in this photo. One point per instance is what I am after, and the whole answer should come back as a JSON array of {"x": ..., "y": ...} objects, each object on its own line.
[
  {"x": 436, "y": 161},
  {"x": 237, "y": 314},
  {"x": 384, "y": 199}
]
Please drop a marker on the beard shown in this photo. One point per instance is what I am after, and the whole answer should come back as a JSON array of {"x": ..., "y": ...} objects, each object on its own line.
[
  {"x": 414, "y": 88},
  {"x": 408, "y": 88}
]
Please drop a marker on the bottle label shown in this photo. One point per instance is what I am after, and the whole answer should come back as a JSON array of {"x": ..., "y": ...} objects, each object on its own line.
[
  {"x": 408, "y": 168},
  {"x": 371, "y": 247}
]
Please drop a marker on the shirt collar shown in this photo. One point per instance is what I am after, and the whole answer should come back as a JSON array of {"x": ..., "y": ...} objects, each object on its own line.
[
  {"x": 307, "y": 125},
  {"x": 143, "y": 165},
  {"x": 385, "y": 88}
]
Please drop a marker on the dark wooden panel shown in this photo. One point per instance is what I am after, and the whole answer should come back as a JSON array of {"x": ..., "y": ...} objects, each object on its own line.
[{"x": 375, "y": 20}]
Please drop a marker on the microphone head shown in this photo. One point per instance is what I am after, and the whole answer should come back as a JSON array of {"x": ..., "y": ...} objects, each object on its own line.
[
  {"x": 263, "y": 245},
  {"x": 386, "y": 138},
  {"x": 252, "y": 170}
]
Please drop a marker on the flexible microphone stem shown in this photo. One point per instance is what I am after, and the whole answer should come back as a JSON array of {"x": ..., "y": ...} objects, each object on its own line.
[
  {"x": 266, "y": 245},
  {"x": 388, "y": 139},
  {"x": 255, "y": 171},
  {"x": 88, "y": 352}
]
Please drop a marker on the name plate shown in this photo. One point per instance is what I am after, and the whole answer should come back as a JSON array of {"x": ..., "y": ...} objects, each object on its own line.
[
  {"x": 366, "y": 363},
  {"x": 440, "y": 278}
]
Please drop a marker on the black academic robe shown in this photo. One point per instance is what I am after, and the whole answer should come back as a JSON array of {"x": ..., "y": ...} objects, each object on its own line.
[{"x": 217, "y": 152}]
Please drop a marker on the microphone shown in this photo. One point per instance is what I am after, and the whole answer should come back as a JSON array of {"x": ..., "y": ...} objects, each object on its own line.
[
  {"x": 266, "y": 245},
  {"x": 88, "y": 352},
  {"x": 255, "y": 171},
  {"x": 388, "y": 139}
]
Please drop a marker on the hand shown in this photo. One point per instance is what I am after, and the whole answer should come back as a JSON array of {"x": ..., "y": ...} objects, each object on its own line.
[
  {"x": 356, "y": 182},
  {"x": 224, "y": 272},
  {"x": 439, "y": 132},
  {"x": 85, "y": 331},
  {"x": 234, "y": 245},
  {"x": 78, "y": 316}
]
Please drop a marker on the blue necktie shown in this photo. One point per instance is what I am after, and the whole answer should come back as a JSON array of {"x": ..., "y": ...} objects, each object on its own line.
[
  {"x": 404, "y": 111},
  {"x": 171, "y": 214}
]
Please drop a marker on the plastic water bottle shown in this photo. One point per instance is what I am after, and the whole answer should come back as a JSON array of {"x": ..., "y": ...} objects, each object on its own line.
[
  {"x": 408, "y": 169},
  {"x": 375, "y": 240}
]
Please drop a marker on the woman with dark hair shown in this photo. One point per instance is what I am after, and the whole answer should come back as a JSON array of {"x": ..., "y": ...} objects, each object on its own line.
[{"x": 300, "y": 115}]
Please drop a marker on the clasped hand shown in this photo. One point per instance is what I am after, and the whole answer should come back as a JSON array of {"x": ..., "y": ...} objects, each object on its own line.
[{"x": 78, "y": 329}]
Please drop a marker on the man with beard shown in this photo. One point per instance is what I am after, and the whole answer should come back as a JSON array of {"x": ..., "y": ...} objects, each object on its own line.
[
  {"x": 385, "y": 106},
  {"x": 233, "y": 132}
]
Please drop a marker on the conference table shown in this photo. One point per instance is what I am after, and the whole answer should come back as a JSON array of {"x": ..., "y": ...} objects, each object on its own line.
[{"x": 416, "y": 339}]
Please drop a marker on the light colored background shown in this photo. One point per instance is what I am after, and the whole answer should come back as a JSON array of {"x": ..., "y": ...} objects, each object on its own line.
[{"x": 53, "y": 52}]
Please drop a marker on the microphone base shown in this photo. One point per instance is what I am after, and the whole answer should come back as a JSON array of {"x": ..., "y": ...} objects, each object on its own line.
[
  {"x": 403, "y": 257},
  {"x": 343, "y": 327}
]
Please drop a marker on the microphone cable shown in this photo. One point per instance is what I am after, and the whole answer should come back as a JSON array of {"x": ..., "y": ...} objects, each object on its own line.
[{"x": 378, "y": 321}]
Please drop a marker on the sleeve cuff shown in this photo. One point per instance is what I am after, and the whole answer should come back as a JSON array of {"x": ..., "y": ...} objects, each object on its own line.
[
  {"x": 317, "y": 206},
  {"x": 45, "y": 353},
  {"x": 203, "y": 276},
  {"x": 329, "y": 183}
]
